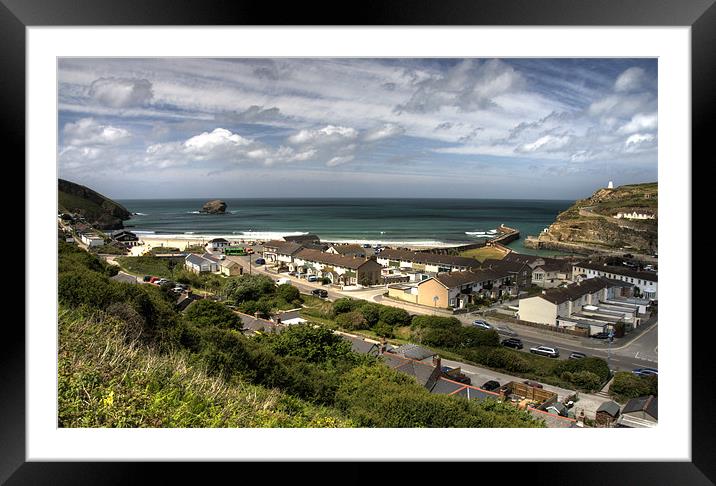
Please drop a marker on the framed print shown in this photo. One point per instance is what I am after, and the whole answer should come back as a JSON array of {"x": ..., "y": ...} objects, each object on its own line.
[{"x": 421, "y": 234}]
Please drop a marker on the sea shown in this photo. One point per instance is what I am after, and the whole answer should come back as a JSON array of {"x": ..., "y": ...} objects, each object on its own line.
[{"x": 388, "y": 221}]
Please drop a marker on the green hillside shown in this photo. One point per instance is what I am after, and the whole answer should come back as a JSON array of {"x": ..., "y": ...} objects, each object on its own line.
[{"x": 98, "y": 210}]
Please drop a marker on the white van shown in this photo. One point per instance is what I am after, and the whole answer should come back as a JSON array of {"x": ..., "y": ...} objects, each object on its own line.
[{"x": 282, "y": 281}]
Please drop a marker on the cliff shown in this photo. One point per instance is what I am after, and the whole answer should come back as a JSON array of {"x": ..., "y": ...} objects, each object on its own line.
[
  {"x": 99, "y": 211},
  {"x": 592, "y": 225}
]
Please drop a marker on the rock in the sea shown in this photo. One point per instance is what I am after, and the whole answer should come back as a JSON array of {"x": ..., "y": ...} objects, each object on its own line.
[{"x": 216, "y": 206}]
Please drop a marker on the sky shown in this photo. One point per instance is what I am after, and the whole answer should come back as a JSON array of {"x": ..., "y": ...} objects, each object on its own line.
[{"x": 346, "y": 127}]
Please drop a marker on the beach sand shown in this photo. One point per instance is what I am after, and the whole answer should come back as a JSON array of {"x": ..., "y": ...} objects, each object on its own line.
[{"x": 182, "y": 241}]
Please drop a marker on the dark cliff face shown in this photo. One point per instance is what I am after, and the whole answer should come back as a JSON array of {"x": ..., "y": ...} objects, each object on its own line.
[
  {"x": 99, "y": 211},
  {"x": 216, "y": 206}
]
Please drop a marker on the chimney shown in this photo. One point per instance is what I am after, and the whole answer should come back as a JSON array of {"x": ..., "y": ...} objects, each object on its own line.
[
  {"x": 437, "y": 362},
  {"x": 381, "y": 348}
]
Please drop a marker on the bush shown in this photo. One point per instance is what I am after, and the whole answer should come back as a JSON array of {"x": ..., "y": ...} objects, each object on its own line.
[
  {"x": 627, "y": 385},
  {"x": 592, "y": 364},
  {"x": 249, "y": 287},
  {"x": 383, "y": 329},
  {"x": 351, "y": 321},
  {"x": 435, "y": 322},
  {"x": 394, "y": 317},
  {"x": 288, "y": 292},
  {"x": 371, "y": 313},
  {"x": 345, "y": 304},
  {"x": 584, "y": 380},
  {"x": 206, "y": 313},
  {"x": 507, "y": 360},
  {"x": 314, "y": 344}
]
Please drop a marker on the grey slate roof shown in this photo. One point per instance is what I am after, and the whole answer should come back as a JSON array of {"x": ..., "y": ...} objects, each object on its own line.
[
  {"x": 625, "y": 271},
  {"x": 646, "y": 404},
  {"x": 426, "y": 257},
  {"x": 413, "y": 351},
  {"x": 283, "y": 247},
  {"x": 610, "y": 407},
  {"x": 196, "y": 259}
]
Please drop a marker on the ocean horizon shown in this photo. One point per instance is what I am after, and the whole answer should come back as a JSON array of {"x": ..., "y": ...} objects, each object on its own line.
[{"x": 407, "y": 221}]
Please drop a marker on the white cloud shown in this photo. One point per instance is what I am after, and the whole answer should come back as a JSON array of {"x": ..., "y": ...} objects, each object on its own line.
[
  {"x": 121, "y": 92},
  {"x": 88, "y": 131},
  {"x": 326, "y": 135},
  {"x": 631, "y": 80},
  {"x": 640, "y": 122},
  {"x": 219, "y": 139},
  {"x": 339, "y": 160},
  {"x": 639, "y": 139},
  {"x": 546, "y": 143},
  {"x": 388, "y": 130}
]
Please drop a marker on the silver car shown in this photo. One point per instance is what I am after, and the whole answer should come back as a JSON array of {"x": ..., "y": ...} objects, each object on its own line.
[{"x": 545, "y": 351}]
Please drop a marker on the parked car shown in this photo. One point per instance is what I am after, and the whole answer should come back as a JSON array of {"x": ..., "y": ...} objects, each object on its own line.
[
  {"x": 311, "y": 278},
  {"x": 320, "y": 293},
  {"x": 506, "y": 331},
  {"x": 481, "y": 324},
  {"x": 147, "y": 278},
  {"x": 153, "y": 280},
  {"x": 533, "y": 384},
  {"x": 513, "y": 343},
  {"x": 545, "y": 351},
  {"x": 600, "y": 335},
  {"x": 646, "y": 372},
  {"x": 260, "y": 261},
  {"x": 491, "y": 385},
  {"x": 577, "y": 355}
]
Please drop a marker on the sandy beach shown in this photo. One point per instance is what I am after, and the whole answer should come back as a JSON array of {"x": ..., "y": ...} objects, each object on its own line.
[{"x": 182, "y": 241}]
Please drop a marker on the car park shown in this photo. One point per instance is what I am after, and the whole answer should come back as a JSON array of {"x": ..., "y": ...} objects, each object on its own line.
[
  {"x": 491, "y": 385},
  {"x": 512, "y": 343},
  {"x": 577, "y": 355},
  {"x": 481, "y": 324},
  {"x": 545, "y": 351},
  {"x": 320, "y": 293}
]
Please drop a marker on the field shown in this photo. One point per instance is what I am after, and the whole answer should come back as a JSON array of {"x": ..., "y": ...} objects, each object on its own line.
[{"x": 484, "y": 253}]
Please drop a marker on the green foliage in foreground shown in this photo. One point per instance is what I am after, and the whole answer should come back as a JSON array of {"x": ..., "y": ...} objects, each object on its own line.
[
  {"x": 104, "y": 381},
  {"x": 376, "y": 396},
  {"x": 627, "y": 385}
]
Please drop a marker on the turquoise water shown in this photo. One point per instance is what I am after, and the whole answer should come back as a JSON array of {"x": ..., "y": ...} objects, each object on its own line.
[{"x": 407, "y": 221}]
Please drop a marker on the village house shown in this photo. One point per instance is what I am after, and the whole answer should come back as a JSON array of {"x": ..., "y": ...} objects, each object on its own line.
[
  {"x": 339, "y": 269},
  {"x": 348, "y": 250},
  {"x": 573, "y": 306},
  {"x": 217, "y": 244},
  {"x": 201, "y": 264},
  {"x": 230, "y": 268},
  {"x": 125, "y": 237},
  {"x": 552, "y": 273},
  {"x": 646, "y": 282},
  {"x": 454, "y": 289},
  {"x": 425, "y": 261},
  {"x": 307, "y": 238},
  {"x": 639, "y": 412},
  {"x": 521, "y": 272},
  {"x": 90, "y": 239},
  {"x": 280, "y": 252}
]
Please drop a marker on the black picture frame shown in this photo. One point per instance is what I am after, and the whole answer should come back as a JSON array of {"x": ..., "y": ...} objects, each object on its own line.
[{"x": 16, "y": 15}]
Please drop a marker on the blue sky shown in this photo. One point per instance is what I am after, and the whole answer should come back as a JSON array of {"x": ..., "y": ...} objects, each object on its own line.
[{"x": 482, "y": 128}]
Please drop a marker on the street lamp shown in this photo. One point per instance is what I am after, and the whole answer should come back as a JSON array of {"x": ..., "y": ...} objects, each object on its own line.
[{"x": 435, "y": 303}]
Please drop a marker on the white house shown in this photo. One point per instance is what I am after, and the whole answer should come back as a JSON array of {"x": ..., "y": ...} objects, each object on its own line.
[
  {"x": 91, "y": 240},
  {"x": 646, "y": 282},
  {"x": 200, "y": 264},
  {"x": 218, "y": 243}
]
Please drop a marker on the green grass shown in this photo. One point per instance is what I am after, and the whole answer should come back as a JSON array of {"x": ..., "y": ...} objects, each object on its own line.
[
  {"x": 104, "y": 381},
  {"x": 484, "y": 253},
  {"x": 148, "y": 265}
]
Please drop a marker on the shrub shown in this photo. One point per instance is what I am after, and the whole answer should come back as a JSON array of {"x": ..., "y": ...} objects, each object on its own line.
[
  {"x": 353, "y": 320},
  {"x": 594, "y": 365},
  {"x": 205, "y": 313},
  {"x": 435, "y": 322},
  {"x": 345, "y": 304},
  {"x": 371, "y": 313},
  {"x": 314, "y": 344},
  {"x": 394, "y": 317},
  {"x": 584, "y": 380},
  {"x": 507, "y": 360},
  {"x": 383, "y": 329},
  {"x": 249, "y": 287},
  {"x": 288, "y": 292},
  {"x": 627, "y": 385}
]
